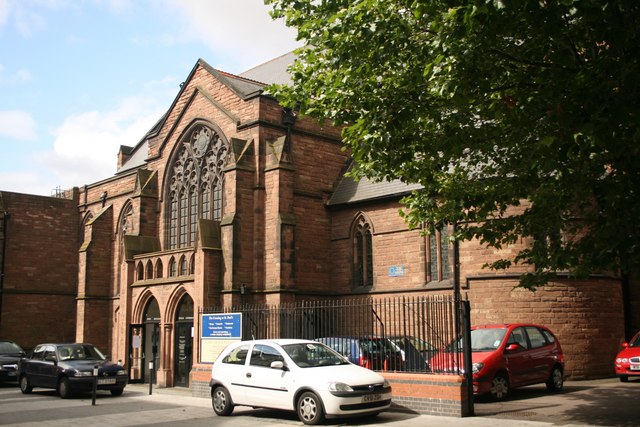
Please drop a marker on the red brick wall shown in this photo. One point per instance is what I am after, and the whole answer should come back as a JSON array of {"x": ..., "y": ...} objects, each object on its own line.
[
  {"x": 41, "y": 269},
  {"x": 585, "y": 315}
]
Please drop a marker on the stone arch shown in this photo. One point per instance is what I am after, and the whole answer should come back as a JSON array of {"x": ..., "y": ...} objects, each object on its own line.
[
  {"x": 139, "y": 271},
  {"x": 362, "y": 265},
  {"x": 183, "y": 267},
  {"x": 172, "y": 267},
  {"x": 137, "y": 314},
  {"x": 174, "y": 301},
  {"x": 159, "y": 273},
  {"x": 192, "y": 264},
  {"x": 357, "y": 218},
  {"x": 195, "y": 180},
  {"x": 124, "y": 225},
  {"x": 148, "y": 274}
]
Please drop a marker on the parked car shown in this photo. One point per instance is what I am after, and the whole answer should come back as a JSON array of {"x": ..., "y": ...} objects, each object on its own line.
[
  {"x": 628, "y": 360},
  {"x": 297, "y": 375},
  {"x": 509, "y": 356},
  {"x": 375, "y": 353},
  {"x": 68, "y": 368},
  {"x": 10, "y": 354},
  {"x": 415, "y": 352}
]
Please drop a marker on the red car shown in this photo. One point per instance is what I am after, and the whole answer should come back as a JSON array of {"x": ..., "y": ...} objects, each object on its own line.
[
  {"x": 628, "y": 360},
  {"x": 508, "y": 356}
]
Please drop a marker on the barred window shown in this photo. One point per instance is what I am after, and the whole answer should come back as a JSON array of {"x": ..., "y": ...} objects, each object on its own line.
[{"x": 195, "y": 185}]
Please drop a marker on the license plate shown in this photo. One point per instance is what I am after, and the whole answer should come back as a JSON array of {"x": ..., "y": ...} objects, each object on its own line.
[
  {"x": 102, "y": 381},
  {"x": 371, "y": 397},
  {"x": 634, "y": 367}
]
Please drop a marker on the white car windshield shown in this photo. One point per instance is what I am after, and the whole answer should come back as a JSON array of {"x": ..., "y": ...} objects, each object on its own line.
[{"x": 311, "y": 355}]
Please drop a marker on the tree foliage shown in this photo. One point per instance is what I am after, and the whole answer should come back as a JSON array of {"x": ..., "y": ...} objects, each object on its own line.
[{"x": 519, "y": 118}]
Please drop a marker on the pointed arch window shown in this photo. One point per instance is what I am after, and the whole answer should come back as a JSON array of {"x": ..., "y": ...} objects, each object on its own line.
[
  {"x": 185, "y": 308},
  {"x": 140, "y": 271},
  {"x": 172, "y": 267},
  {"x": 439, "y": 255},
  {"x": 159, "y": 269},
  {"x": 149, "y": 271},
  {"x": 152, "y": 311},
  {"x": 362, "y": 253},
  {"x": 196, "y": 185},
  {"x": 183, "y": 266}
]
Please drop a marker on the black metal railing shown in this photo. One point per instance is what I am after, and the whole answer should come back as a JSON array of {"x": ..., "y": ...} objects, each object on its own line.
[{"x": 415, "y": 334}]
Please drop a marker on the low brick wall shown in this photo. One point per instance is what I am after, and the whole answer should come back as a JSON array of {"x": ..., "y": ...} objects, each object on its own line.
[
  {"x": 429, "y": 394},
  {"x": 200, "y": 376}
]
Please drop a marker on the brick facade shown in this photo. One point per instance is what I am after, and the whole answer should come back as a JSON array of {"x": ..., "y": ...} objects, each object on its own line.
[
  {"x": 95, "y": 260},
  {"x": 40, "y": 241}
]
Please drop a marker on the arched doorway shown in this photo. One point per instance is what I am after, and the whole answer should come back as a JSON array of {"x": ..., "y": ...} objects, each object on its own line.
[
  {"x": 151, "y": 353},
  {"x": 183, "y": 346},
  {"x": 144, "y": 344}
]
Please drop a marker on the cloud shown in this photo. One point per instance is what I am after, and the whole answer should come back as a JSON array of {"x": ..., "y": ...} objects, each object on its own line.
[
  {"x": 246, "y": 36},
  {"x": 4, "y": 11},
  {"x": 20, "y": 76},
  {"x": 86, "y": 145},
  {"x": 18, "y": 125},
  {"x": 26, "y": 183}
]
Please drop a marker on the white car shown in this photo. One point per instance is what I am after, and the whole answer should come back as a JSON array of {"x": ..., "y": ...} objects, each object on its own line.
[{"x": 297, "y": 375}]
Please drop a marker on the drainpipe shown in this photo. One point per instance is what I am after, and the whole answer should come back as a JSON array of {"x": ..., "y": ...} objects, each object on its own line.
[{"x": 5, "y": 220}]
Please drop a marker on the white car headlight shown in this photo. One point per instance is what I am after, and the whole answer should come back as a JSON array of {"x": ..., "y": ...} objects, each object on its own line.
[
  {"x": 477, "y": 367},
  {"x": 339, "y": 387},
  {"x": 386, "y": 384},
  {"x": 121, "y": 372}
]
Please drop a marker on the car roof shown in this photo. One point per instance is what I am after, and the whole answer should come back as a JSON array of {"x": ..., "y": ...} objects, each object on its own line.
[
  {"x": 507, "y": 325},
  {"x": 63, "y": 343},
  {"x": 278, "y": 341},
  {"x": 364, "y": 337}
]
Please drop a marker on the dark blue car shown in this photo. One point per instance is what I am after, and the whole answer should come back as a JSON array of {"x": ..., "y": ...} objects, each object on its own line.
[
  {"x": 69, "y": 368},
  {"x": 10, "y": 354}
]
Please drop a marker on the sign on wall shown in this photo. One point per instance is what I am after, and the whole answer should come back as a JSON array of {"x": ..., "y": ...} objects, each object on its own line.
[
  {"x": 218, "y": 330},
  {"x": 396, "y": 271}
]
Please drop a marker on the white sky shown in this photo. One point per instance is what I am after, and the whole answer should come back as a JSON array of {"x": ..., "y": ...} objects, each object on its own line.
[{"x": 80, "y": 78}]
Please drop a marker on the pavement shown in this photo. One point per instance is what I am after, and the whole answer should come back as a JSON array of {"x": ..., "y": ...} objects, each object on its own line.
[{"x": 605, "y": 402}]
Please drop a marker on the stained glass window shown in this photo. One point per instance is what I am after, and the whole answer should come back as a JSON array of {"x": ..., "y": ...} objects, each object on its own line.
[{"x": 195, "y": 185}]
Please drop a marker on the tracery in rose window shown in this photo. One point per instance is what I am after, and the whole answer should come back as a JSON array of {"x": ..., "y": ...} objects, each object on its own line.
[{"x": 195, "y": 185}]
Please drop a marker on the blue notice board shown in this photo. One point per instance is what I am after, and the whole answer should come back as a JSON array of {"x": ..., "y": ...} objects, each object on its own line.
[
  {"x": 396, "y": 271},
  {"x": 222, "y": 325}
]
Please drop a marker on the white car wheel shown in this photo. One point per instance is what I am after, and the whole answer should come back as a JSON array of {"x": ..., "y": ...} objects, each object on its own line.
[{"x": 310, "y": 410}]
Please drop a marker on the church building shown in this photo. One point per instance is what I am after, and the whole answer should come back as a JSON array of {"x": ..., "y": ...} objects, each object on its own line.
[{"x": 231, "y": 199}]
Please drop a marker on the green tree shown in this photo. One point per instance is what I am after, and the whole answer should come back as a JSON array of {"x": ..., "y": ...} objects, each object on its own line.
[{"x": 520, "y": 118}]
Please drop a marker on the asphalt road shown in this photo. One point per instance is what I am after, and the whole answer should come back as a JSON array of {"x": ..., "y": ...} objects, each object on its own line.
[
  {"x": 583, "y": 403},
  {"x": 605, "y": 402}
]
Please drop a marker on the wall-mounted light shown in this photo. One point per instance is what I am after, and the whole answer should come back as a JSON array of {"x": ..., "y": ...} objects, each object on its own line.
[{"x": 243, "y": 289}]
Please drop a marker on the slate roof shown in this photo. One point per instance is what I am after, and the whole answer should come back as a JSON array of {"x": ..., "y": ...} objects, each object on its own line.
[
  {"x": 350, "y": 191},
  {"x": 273, "y": 71}
]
